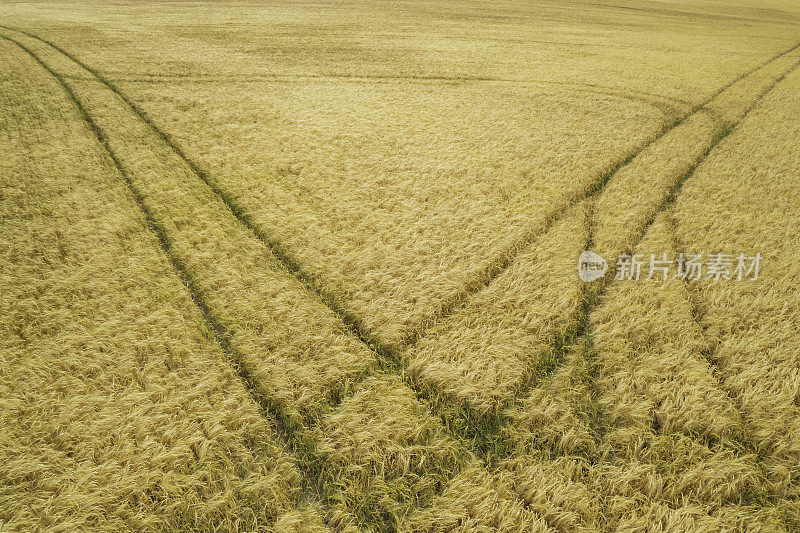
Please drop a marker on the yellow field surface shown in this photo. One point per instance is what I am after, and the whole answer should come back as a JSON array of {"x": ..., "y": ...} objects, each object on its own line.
[
  {"x": 313, "y": 266},
  {"x": 748, "y": 193},
  {"x": 118, "y": 408},
  {"x": 466, "y": 138},
  {"x": 295, "y": 356}
]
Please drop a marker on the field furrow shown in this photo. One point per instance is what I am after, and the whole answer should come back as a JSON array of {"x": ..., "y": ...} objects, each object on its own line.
[
  {"x": 498, "y": 339},
  {"x": 295, "y": 355},
  {"x": 748, "y": 207},
  {"x": 117, "y": 412}
]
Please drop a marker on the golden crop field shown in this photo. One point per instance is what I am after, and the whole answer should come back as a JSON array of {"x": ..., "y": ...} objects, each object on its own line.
[{"x": 299, "y": 266}]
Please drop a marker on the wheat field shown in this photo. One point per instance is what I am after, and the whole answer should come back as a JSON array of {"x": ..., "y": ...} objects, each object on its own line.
[{"x": 301, "y": 266}]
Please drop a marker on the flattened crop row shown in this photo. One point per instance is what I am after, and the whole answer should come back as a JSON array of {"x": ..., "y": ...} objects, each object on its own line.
[
  {"x": 116, "y": 409},
  {"x": 507, "y": 336},
  {"x": 297, "y": 359}
]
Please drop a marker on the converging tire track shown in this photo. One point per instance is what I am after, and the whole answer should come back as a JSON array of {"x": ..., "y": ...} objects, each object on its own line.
[
  {"x": 632, "y": 203},
  {"x": 388, "y": 361},
  {"x": 592, "y": 295},
  {"x": 332, "y": 301},
  {"x": 270, "y": 408},
  {"x": 297, "y": 431},
  {"x": 391, "y": 362},
  {"x": 354, "y": 322},
  {"x": 501, "y": 264}
]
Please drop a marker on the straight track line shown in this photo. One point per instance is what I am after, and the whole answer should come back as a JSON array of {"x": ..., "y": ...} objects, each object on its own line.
[
  {"x": 593, "y": 296},
  {"x": 708, "y": 352}
]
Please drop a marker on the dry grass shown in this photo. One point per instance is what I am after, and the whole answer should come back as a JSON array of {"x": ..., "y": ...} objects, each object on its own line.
[
  {"x": 473, "y": 131},
  {"x": 311, "y": 267},
  {"x": 748, "y": 193},
  {"x": 117, "y": 411}
]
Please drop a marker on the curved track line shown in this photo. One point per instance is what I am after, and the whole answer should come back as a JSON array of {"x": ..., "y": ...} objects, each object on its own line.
[
  {"x": 658, "y": 102},
  {"x": 268, "y": 408},
  {"x": 505, "y": 259},
  {"x": 668, "y": 107},
  {"x": 353, "y": 322},
  {"x": 389, "y": 359}
]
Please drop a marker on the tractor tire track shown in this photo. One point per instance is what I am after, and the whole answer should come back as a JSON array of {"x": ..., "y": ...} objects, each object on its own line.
[
  {"x": 709, "y": 351},
  {"x": 267, "y": 407},
  {"x": 487, "y": 432},
  {"x": 692, "y": 295},
  {"x": 391, "y": 361},
  {"x": 288, "y": 262},
  {"x": 506, "y": 259},
  {"x": 475, "y": 439},
  {"x": 592, "y": 295},
  {"x": 308, "y": 461},
  {"x": 332, "y": 300}
]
